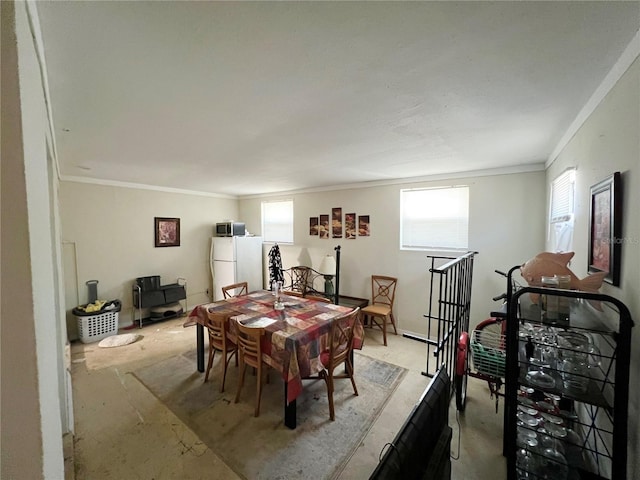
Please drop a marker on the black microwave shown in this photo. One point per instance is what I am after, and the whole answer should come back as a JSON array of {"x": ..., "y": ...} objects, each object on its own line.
[{"x": 230, "y": 229}]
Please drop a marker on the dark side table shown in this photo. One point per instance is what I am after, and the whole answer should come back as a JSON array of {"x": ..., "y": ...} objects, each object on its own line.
[{"x": 352, "y": 302}]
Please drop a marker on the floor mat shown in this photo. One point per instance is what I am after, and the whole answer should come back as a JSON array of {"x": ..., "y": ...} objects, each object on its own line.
[{"x": 263, "y": 448}]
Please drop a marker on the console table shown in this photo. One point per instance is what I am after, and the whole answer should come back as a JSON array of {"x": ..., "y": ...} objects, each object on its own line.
[{"x": 352, "y": 302}]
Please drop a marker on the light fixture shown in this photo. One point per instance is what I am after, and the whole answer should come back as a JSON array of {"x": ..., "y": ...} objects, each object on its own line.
[{"x": 328, "y": 271}]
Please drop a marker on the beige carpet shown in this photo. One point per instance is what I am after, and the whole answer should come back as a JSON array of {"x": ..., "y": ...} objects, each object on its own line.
[{"x": 263, "y": 448}]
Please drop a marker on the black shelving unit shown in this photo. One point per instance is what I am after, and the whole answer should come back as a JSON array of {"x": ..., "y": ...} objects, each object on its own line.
[
  {"x": 147, "y": 293},
  {"x": 587, "y": 425}
]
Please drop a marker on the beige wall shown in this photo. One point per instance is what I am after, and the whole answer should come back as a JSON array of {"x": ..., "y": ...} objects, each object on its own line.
[
  {"x": 505, "y": 227},
  {"x": 33, "y": 376},
  {"x": 118, "y": 222},
  {"x": 108, "y": 234},
  {"x": 609, "y": 141}
]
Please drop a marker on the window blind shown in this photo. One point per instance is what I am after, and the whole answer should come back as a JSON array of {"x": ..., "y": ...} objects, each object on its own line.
[
  {"x": 435, "y": 218},
  {"x": 562, "y": 194},
  {"x": 277, "y": 221}
]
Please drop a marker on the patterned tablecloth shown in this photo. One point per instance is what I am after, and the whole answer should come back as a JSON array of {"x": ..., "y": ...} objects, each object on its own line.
[{"x": 294, "y": 337}]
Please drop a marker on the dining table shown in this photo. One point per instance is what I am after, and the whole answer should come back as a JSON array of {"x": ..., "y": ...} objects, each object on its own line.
[{"x": 295, "y": 335}]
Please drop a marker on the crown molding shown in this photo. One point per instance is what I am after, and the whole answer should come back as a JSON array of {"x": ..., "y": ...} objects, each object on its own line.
[
  {"x": 142, "y": 186},
  {"x": 531, "y": 167}
]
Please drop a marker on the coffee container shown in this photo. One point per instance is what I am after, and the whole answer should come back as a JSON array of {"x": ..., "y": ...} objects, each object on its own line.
[
  {"x": 564, "y": 283},
  {"x": 549, "y": 302}
]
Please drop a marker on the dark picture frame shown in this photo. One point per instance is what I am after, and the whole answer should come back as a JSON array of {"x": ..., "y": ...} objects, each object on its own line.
[
  {"x": 605, "y": 228},
  {"x": 167, "y": 231},
  {"x": 313, "y": 226},
  {"x": 323, "y": 227},
  {"x": 336, "y": 222},
  {"x": 363, "y": 226},
  {"x": 350, "y": 226}
]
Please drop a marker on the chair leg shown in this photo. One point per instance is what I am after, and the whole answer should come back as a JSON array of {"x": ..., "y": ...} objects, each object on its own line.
[
  {"x": 332, "y": 411},
  {"x": 212, "y": 354},
  {"x": 384, "y": 330},
  {"x": 227, "y": 359},
  {"x": 380, "y": 322},
  {"x": 350, "y": 373},
  {"x": 241, "y": 381},
  {"x": 258, "y": 392}
]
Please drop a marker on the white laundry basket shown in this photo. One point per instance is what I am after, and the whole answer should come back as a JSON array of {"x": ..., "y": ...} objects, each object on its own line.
[
  {"x": 92, "y": 328},
  {"x": 96, "y": 326}
]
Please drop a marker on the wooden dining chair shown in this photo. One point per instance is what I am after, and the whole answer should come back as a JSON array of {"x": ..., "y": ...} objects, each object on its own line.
[
  {"x": 250, "y": 350},
  {"x": 339, "y": 351},
  {"x": 380, "y": 311},
  {"x": 235, "y": 290},
  {"x": 217, "y": 325}
]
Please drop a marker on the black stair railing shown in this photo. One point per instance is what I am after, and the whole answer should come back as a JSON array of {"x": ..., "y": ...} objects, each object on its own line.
[{"x": 449, "y": 309}]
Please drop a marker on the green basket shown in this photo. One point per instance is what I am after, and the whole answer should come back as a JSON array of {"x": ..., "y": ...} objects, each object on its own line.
[{"x": 488, "y": 352}]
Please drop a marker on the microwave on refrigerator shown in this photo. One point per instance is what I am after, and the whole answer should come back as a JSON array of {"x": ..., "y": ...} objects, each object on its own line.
[{"x": 230, "y": 229}]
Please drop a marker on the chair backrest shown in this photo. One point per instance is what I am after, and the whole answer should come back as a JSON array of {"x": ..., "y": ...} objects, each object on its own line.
[
  {"x": 217, "y": 326},
  {"x": 249, "y": 344},
  {"x": 300, "y": 278},
  {"x": 317, "y": 298},
  {"x": 235, "y": 290},
  {"x": 383, "y": 290},
  {"x": 341, "y": 337}
]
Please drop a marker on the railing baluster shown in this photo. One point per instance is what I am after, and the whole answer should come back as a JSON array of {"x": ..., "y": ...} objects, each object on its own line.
[{"x": 454, "y": 306}]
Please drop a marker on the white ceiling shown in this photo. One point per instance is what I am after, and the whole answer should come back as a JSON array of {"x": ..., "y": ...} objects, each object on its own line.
[{"x": 245, "y": 98}]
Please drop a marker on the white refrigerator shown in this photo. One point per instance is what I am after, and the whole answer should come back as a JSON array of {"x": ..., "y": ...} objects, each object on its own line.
[{"x": 236, "y": 259}]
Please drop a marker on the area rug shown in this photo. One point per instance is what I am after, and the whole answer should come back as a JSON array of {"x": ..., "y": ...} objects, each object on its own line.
[{"x": 263, "y": 447}]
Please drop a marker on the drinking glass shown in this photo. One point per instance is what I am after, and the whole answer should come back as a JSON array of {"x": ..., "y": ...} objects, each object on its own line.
[
  {"x": 526, "y": 463},
  {"x": 547, "y": 349},
  {"x": 577, "y": 354},
  {"x": 552, "y": 465}
]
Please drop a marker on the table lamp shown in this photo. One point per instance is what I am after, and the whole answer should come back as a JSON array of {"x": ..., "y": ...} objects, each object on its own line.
[{"x": 328, "y": 271}]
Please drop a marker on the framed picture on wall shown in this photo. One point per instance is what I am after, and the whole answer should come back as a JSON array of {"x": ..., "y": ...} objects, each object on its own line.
[
  {"x": 313, "y": 225},
  {"x": 363, "y": 225},
  {"x": 323, "y": 227},
  {"x": 350, "y": 225},
  {"x": 605, "y": 227},
  {"x": 167, "y": 232},
  {"x": 336, "y": 222}
]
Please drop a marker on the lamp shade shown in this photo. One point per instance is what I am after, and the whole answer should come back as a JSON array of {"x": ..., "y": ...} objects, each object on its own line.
[{"x": 328, "y": 265}]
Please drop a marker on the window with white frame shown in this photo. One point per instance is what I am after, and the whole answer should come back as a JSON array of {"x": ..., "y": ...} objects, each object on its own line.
[
  {"x": 277, "y": 221},
  {"x": 435, "y": 218},
  {"x": 561, "y": 211}
]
